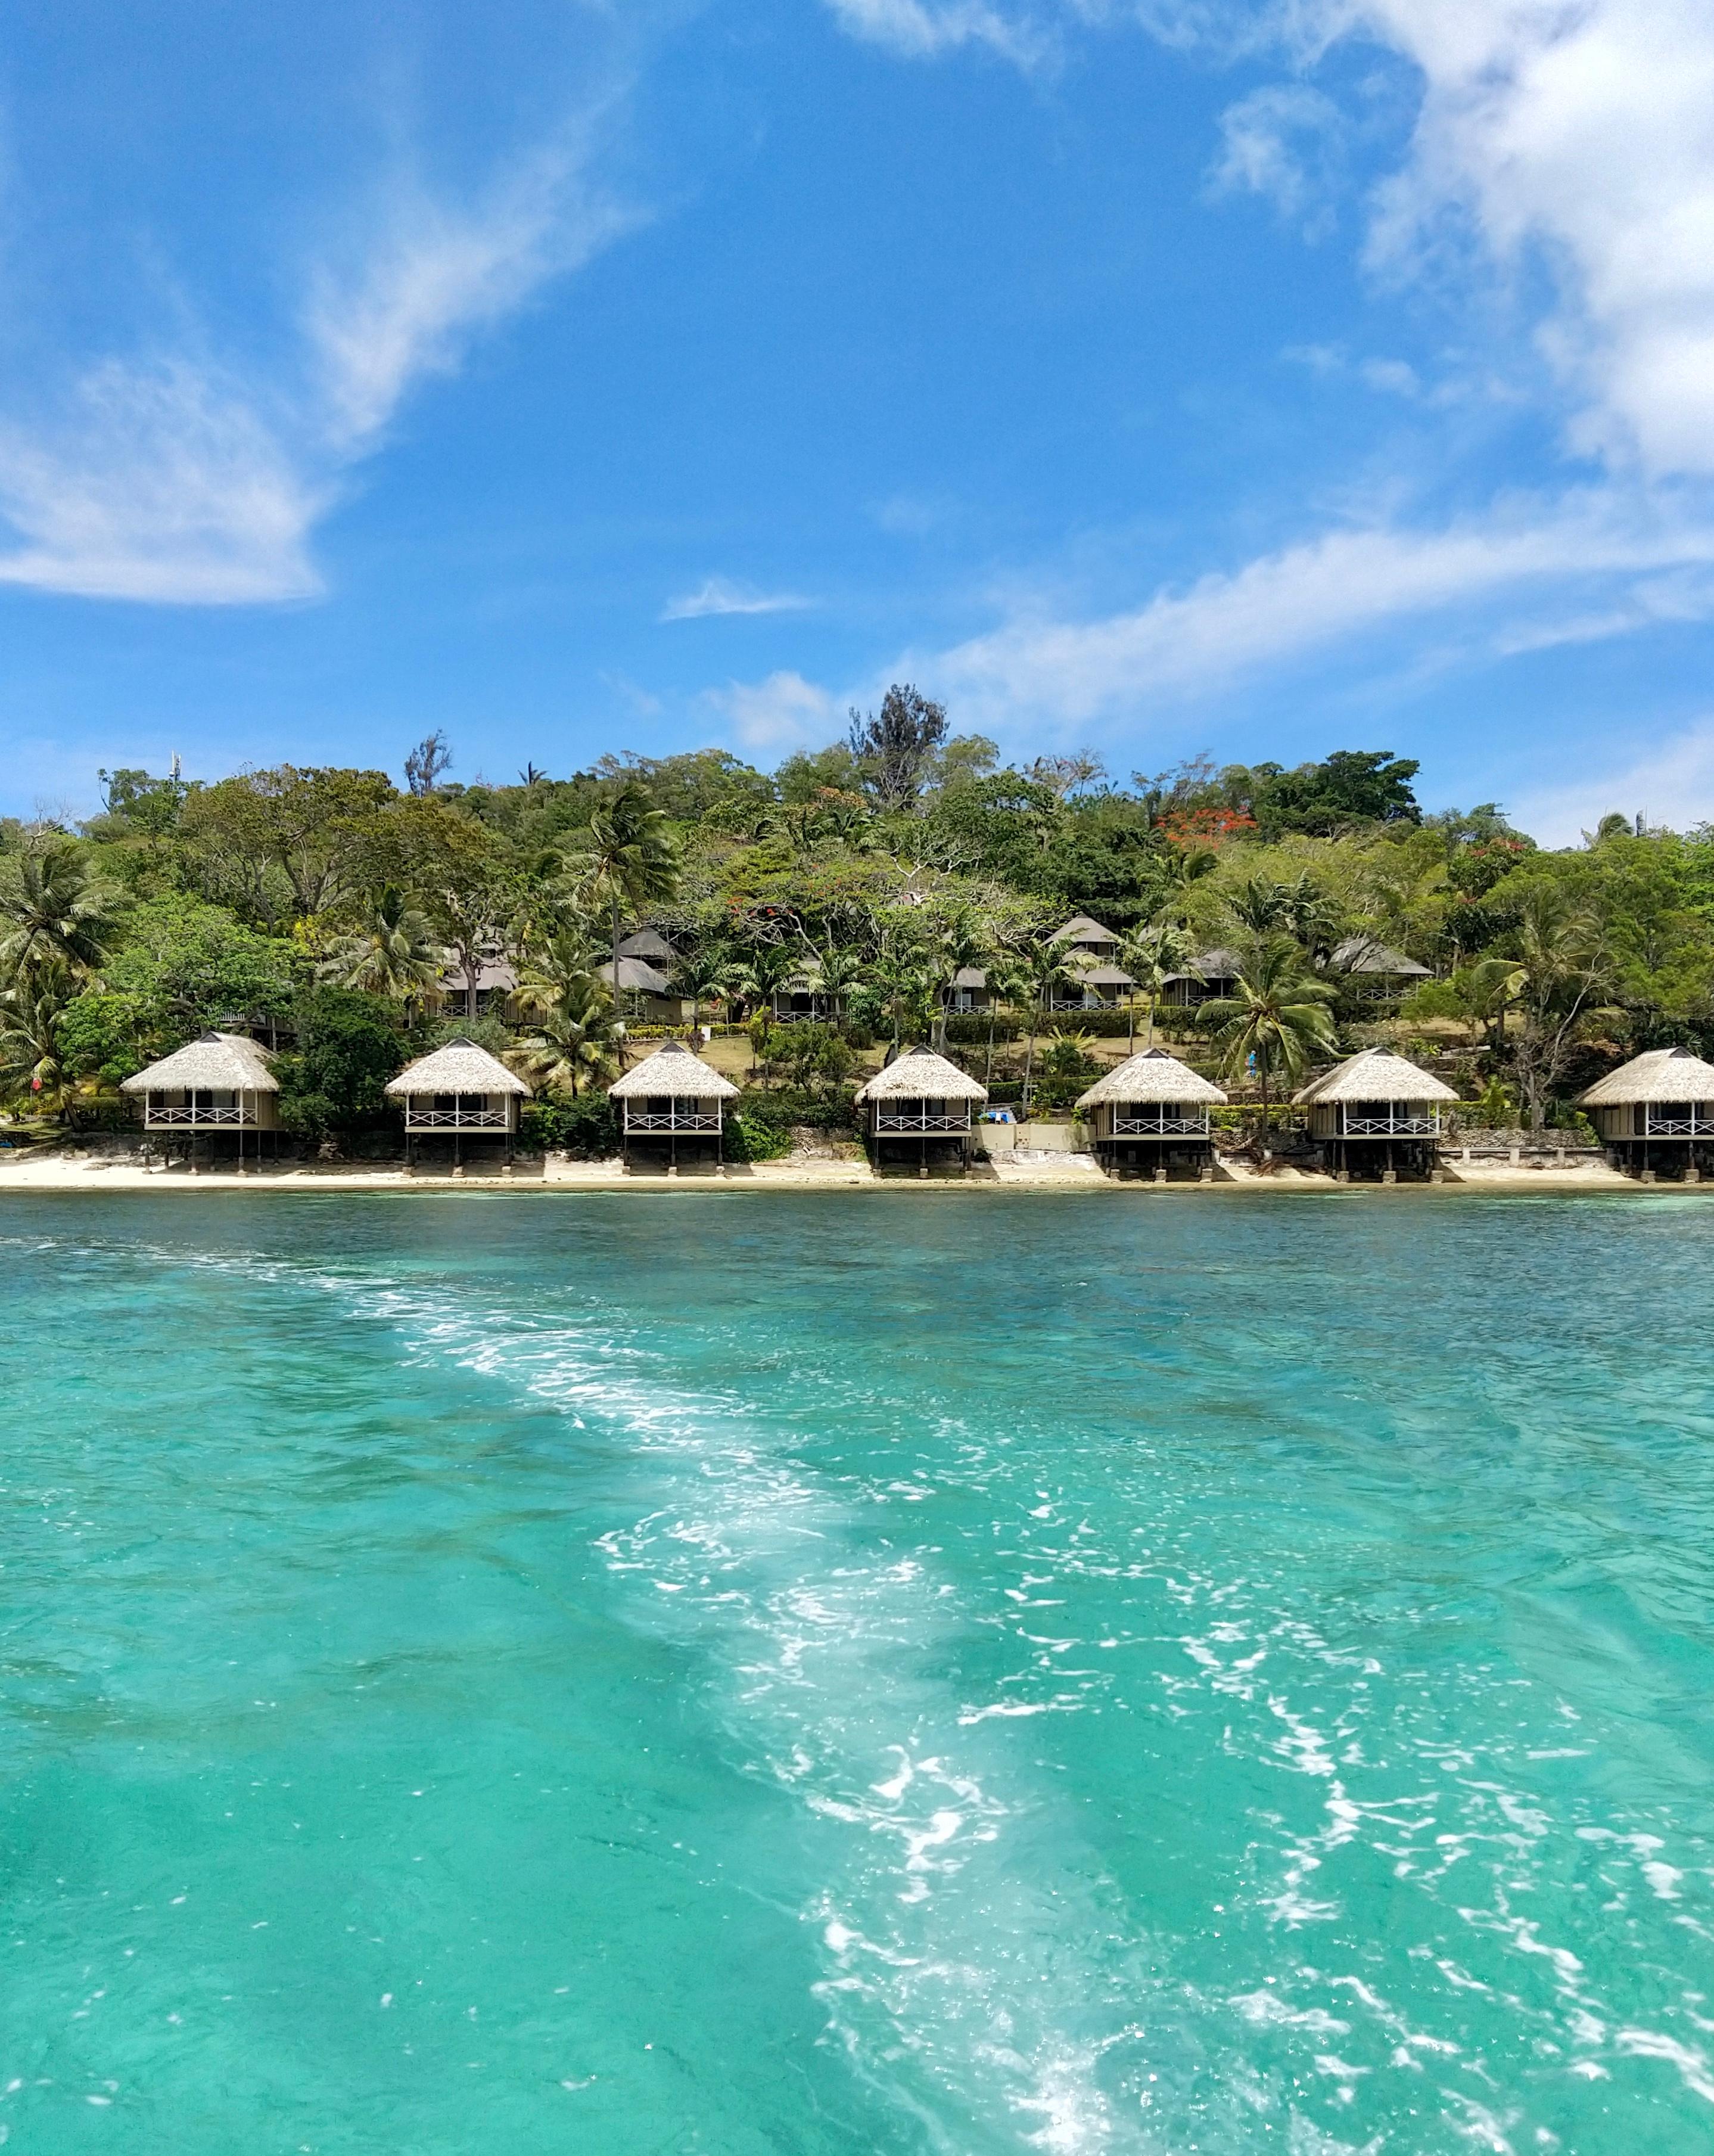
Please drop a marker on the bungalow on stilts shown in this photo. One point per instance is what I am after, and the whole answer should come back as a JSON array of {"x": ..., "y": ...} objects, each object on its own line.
[
  {"x": 918, "y": 1106},
  {"x": 210, "y": 1095},
  {"x": 673, "y": 1100},
  {"x": 1151, "y": 1113},
  {"x": 1375, "y": 1113},
  {"x": 1656, "y": 1112},
  {"x": 462, "y": 1094}
]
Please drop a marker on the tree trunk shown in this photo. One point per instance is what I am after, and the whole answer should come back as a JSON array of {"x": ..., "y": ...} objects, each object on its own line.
[
  {"x": 987, "y": 1071},
  {"x": 1029, "y": 1061}
]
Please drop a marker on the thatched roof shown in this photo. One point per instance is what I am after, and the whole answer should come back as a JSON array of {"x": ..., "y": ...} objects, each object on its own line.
[
  {"x": 460, "y": 1067},
  {"x": 920, "y": 1075},
  {"x": 635, "y": 974},
  {"x": 1367, "y": 954},
  {"x": 970, "y": 976},
  {"x": 1150, "y": 1074},
  {"x": 1373, "y": 1074},
  {"x": 1218, "y": 965},
  {"x": 674, "y": 1070},
  {"x": 1663, "y": 1074},
  {"x": 491, "y": 973},
  {"x": 221, "y": 1062},
  {"x": 1102, "y": 977},
  {"x": 1081, "y": 929},
  {"x": 645, "y": 943}
]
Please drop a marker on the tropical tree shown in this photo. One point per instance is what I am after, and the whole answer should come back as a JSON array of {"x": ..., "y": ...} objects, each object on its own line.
[
  {"x": 392, "y": 953},
  {"x": 1558, "y": 969},
  {"x": 705, "y": 974},
  {"x": 33, "y": 1062},
  {"x": 628, "y": 859},
  {"x": 576, "y": 1043},
  {"x": 963, "y": 941},
  {"x": 1037, "y": 969},
  {"x": 1275, "y": 1018},
  {"x": 1152, "y": 956},
  {"x": 50, "y": 907}
]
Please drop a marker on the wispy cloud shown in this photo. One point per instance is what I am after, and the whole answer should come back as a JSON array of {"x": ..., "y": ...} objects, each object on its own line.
[
  {"x": 918, "y": 29},
  {"x": 720, "y": 595},
  {"x": 1671, "y": 784},
  {"x": 1323, "y": 593},
  {"x": 165, "y": 476},
  {"x": 785, "y": 711}
]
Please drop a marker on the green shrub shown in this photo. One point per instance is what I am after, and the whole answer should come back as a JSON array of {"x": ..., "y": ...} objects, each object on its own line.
[
  {"x": 347, "y": 1049},
  {"x": 751, "y": 1137},
  {"x": 1434, "y": 999},
  {"x": 788, "y": 1109},
  {"x": 587, "y": 1127}
]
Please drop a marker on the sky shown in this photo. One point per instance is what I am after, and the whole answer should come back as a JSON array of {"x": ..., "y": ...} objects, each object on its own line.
[{"x": 1152, "y": 376}]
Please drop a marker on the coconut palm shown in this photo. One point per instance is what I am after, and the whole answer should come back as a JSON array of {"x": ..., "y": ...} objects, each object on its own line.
[
  {"x": 51, "y": 907},
  {"x": 391, "y": 952},
  {"x": 575, "y": 1044},
  {"x": 31, "y": 1063},
  {"x": 963, "y": 941},
  {"x": 628, "y": 860},
  {"x": 1275, "y": 1018},
  {"x": 557, "y": 965},
  {"x": 705, "y": 974},
  {"x": 1034, "y": 973},
  {"x": 1559, "y": 970},
  {"x": 1152, "y": 956}
]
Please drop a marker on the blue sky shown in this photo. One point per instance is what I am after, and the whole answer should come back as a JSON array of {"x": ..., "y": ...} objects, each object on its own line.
[{"x": 1155, "y": 376}]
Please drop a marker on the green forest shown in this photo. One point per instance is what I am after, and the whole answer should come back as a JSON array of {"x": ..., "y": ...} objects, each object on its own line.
[{"x": 330, "y": 907}]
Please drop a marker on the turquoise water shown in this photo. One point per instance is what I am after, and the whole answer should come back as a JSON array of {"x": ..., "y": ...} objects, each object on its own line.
[{"x": 908, "y": 1672}]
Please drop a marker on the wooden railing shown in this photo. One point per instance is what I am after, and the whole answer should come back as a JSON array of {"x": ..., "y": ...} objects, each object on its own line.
[
  {"x": 918, "y": 1124},
  {"x": 1159, "y": 1126},
  {"x": 455, "y": 1119},
  {"x": 194, "y": 1119},
  {"x": 697, "y": 1120},
  {"x": 1692, "y": 1125},
  {"x": 1390, "y": 1127}
]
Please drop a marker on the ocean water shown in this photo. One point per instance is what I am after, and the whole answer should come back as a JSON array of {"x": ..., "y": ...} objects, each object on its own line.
[{"x": 934, "y": 1673}]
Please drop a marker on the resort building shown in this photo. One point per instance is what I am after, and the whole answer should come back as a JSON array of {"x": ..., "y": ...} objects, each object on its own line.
[
  {"x": 1376, "y": 1113},
  {"x": 1092, "y": 984},
  {"x": 673, "y": 1099},
  {"x": 643, "y": 992},
  {"x": 803, "y": 996},
  {"x": 212, "y": 1093},
  {"x": 647, "y": 944},
  {"x": 1366, "y": 959},
  {"x": 918, "y": 1107},
  {"x": 460, "y": 1093},
  {"x": 1081, "y": 933},
  {"x": 493, "y": 994},
  {"x": 970, "y": 989},
  {"x": 1654, "y": 1112},
  {"x": 1151, "y": 1112},
  {"x": 1214, "y": 973}
]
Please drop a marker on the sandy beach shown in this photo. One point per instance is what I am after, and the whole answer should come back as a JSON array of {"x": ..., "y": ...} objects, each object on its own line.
[{"x": 60, "y": 1172}]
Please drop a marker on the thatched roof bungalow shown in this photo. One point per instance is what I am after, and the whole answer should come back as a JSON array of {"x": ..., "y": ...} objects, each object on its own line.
[
  {"x": 1087, "y": 934},
  {"x": 1151, "y": 1109},
  {"x": 643, "y": 990},
  {"x": 1657, "y": 1110},
  {"x": 1379, "y": 1104},
  {"x": 1367, "y": 956},
  {"x": 672, "y": 1096},
  {"x": 458, "y": 1091},
  {"x": 219, "y": 1083},
  {"x": 1211, "y": 973},
  {"x": 646, "y": 943},
  {"x": 918, "y": 1100}
]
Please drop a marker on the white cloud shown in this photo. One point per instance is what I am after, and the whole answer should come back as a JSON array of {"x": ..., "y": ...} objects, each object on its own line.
[
  {"x": 170, "y": 479},
  {"x": 918, "y": 29},
  {"x": 1576, "y": 134},
  {"x": 1285, "y": 141},
  {"x": 720, "y": 595},
  {"x": 785, "y": 711},
  {"x": 1673, "y": 784},
  {"x": 1322, "y": 593}
]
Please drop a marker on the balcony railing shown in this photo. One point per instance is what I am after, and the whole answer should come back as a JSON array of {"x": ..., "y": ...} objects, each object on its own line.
[
  {"x": 917, "y": 1125},
  {"x": 456, "y": 1119},
  {"x": 1159, "y": 1126},
  {"x": 682, "y": 1120},
  {"x": 1692, "y": 1125},
  {"x": 1390, "y": 1127},
  {"x": 199, "y": 1119}
]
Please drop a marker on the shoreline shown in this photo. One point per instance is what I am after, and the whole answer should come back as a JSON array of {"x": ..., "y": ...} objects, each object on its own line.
[{"x": 57, "y": 1175}]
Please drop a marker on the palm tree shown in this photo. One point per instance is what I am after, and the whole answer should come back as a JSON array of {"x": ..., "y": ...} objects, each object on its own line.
[
  {"x": 561, "y": 963},
  {"x": 575, "y": 1044},
  {"x": 703, "y": 975},
  {"x": 963, "y": 941},
  {"x": 53, "y": 908},
  {"x": 392, "y": 953},
  {"x": 1275, "y": 1018},
  {"x": 1040, "y": 968},
  {"x": 1560, "y": 966},
  {"x": 763, "y": 971},
  {"x": 31, "y": 1061},
  {"x": 630, "y": 861},
  {"x": 1152, "y": 956}
]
